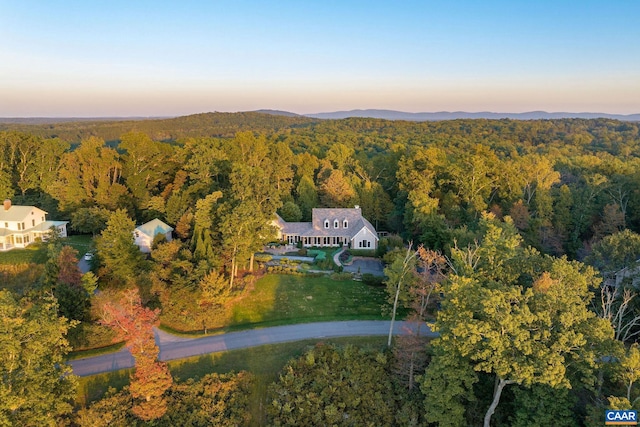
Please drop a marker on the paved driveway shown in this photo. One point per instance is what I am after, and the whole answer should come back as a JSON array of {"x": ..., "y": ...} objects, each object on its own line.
[
  {"x": 173, "y": 347},
  {"x": 83, "y": 264},
  {"x": 366, "y": 265}
]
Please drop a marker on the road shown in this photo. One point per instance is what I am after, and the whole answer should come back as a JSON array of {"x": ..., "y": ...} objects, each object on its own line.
[{"x": 174, "y": 347}]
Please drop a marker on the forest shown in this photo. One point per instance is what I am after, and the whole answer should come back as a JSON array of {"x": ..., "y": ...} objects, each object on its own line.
[{"x": 523, "y": 249}]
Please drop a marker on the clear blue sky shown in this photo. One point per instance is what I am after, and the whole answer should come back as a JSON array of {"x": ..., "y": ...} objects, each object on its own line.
[{"x": 156, "y": 58}]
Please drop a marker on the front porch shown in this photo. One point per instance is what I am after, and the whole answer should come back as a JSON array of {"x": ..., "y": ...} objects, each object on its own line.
[
  {"x": 316, "y": 241},
  {"x": 13, "y": 241}
]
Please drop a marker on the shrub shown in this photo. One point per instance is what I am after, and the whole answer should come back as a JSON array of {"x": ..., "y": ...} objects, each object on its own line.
[
  {"x": 318, "y": 254},
  {"x": 263, "y": 258},
  {"x": 325, "y": 264},
  {"x": 371, "y": 280},
  {"x": 341, "y": 276},
  {"x": 362, "y": 252}
]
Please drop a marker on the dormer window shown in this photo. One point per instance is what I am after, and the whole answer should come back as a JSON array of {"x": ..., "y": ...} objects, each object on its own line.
[
  {"x": 345, "y": 224},
  {"x": 336, "y": 223},
  {"x": 326, "y": 223}
]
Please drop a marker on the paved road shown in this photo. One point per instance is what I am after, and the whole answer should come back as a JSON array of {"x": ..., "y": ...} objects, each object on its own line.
[{"x": 174, "y": 347}]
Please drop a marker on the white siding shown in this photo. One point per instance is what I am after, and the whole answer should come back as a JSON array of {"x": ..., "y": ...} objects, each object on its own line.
[{"x": 364, "y": 239}]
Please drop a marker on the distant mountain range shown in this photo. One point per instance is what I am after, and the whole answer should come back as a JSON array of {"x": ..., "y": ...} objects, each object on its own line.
[
  {"x": 446, "y": 115},
  {"x": 51, "y": 120},
  {"x": 374, "y": 114}
]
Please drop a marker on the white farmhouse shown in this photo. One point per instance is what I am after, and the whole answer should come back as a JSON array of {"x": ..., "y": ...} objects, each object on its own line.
[
  {"x": 22, "y": 225},
  {"x": 330, "y": 227},
  {"x": 145, "y": 234}
]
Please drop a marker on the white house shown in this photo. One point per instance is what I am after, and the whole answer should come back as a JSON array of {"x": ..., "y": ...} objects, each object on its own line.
[
  {"x": 330, "y": 227},
  {"x": 145, "y": 234},
  {"x": 22, "y": 225}
]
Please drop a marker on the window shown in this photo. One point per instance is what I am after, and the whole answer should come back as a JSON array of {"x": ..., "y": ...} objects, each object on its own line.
[
  {"x": 345, "y": 224},
  {"x": 23, "y": 227},
  {"x": 19, "y": 239},
  {"x": 137, "y": 234},
  {"x": 19, "y": 227},
  {"x": 6, "y": 225},
  {"x": 336, "y": 223},
  {"x": 26, "y": 238},
  {"x": 33, "y": 222},
  {"x": 326, "y": 223}
]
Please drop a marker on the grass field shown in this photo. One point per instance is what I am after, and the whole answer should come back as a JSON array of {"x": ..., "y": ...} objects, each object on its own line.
[
  {"x": 36, "y": 252},
  {"x": 285, "y": 299},
  {"x": 264, "y": 362},
  {"x": 278, "y": 299}
]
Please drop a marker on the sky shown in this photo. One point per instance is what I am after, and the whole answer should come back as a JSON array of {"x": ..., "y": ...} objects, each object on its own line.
[{"x": 167, "y": 58}]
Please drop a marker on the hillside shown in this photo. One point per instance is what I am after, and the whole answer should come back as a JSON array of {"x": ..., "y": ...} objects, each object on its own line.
[{"x": 197, "y": 125}]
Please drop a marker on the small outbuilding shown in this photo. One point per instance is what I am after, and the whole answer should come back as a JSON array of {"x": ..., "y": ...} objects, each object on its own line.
[{"x": 145, "y": 233}]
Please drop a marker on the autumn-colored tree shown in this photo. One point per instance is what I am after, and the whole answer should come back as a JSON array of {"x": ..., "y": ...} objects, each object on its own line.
[
  {"x": 398, "y": 275},
  {"x": 68, "y": 271},
  {"x": 74, "y": 302},
  {"x": 215, "y": 399},
  {"x": 337, "y": 191},
  {"x": 410, "y": 350},
  {"x": 133, "y": 324}
]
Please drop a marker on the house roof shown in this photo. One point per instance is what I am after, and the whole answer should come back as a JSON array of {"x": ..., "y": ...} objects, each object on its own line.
[
  {"x": 154, "y": 227},
  {"x": 45, "y": 226},
  {"x": 353, "y": 216},
  {"x": 17, "y": 213}
]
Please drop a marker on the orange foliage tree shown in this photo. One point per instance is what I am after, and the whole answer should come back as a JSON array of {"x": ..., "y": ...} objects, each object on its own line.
[{"x": 133, "y": 324}]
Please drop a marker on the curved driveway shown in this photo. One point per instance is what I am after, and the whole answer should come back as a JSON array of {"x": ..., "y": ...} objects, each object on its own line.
[{"x": 175, "y": 347}]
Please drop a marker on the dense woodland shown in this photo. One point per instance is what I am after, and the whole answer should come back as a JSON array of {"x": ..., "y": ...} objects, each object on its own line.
[{"x": 517, "y": 223}]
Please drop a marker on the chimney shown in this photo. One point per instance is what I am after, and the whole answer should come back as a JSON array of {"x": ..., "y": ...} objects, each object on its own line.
[{"x": 7, "y": 204}]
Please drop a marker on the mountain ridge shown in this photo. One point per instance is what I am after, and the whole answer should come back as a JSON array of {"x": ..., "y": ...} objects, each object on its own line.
[
  {"x": 358, "y": 113},
  {"x": 453, "y": 115}
]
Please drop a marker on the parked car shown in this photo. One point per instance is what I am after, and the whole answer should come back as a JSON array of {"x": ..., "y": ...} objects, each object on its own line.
[{"x": 88, "y": 256}]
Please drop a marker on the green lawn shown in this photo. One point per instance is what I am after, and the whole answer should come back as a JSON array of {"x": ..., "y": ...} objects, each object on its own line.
[
  {"x": 82, "y": 243},
  {"x": 286, "y": 299},
  {"x": 265, "y": 362},
  {"x": 279, "y": 299},
  {"x": 36, "y": 253}
]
